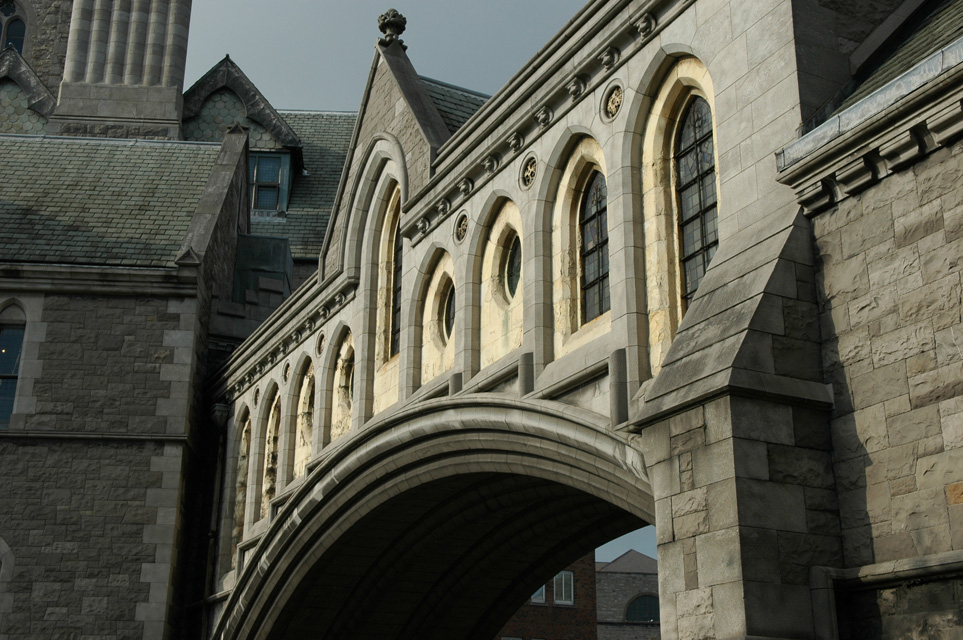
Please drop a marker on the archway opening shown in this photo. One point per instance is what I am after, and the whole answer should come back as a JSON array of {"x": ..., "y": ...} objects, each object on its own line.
[{"x": 451, "y": 558}]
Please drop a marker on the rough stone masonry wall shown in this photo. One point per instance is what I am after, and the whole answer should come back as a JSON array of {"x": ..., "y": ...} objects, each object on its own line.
[
  {"x": 96, "y": 477},
  {"x": 80, "y": 518},
  {"x": 889, "y": 278},
  {"x": 47, "y": 47}
]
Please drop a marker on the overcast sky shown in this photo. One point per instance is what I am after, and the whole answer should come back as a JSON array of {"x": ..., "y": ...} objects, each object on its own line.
[{"x": 315, "y": 54}]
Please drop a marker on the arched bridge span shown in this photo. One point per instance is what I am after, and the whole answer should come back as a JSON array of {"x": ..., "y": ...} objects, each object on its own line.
[{"x": 438, "y": 523}]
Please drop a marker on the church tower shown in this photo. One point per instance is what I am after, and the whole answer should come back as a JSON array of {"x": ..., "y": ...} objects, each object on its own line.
[{"x": 124, "y": 69}]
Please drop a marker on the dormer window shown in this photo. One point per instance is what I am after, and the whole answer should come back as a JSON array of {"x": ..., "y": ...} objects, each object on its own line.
[
  {"x": 13, "y": 30},
  {"x": 270, "y": 179}
]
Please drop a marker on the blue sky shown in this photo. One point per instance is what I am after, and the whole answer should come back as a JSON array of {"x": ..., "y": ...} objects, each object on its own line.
[{"x": 311, "y": 54}]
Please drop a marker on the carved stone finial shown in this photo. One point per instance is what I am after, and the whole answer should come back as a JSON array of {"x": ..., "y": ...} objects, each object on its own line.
[{"x": 392, "y": 24}]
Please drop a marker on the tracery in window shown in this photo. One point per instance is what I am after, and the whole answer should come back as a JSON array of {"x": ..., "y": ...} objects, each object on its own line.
[
  {"x": 270, "y": 460},
  {"x": 388, "y": 306},
  {"x": 12, "y": 327},
  {"x": 304, "y": 423},
  {"x": 13, "y": 29},
  {"x": 342, "y": 401},
  {"x": 240, "y": 485},
  {"x": 696, "y": 192},
  {"x": 594, "y": 249}
]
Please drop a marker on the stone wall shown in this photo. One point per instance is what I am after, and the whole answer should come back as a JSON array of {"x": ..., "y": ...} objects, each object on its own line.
[
  {"x": 46, "y": 49},
  {"x": 95, "y": 460},
  {"x": 889, "y": 282},
  {"x": 81, "y": 520}
]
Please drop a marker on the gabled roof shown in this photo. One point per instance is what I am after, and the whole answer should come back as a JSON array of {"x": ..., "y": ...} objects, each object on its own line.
[
  {"x": 325, "y": 136},
  {"x": 226, "y": 74},
  {"x": 13, "y": 66},
  {"x": 98, "y": 201},
  {"x": 935, "y": 26},
  {"x": 630, "y": 562},
  {"x": 454, "y": 104}
]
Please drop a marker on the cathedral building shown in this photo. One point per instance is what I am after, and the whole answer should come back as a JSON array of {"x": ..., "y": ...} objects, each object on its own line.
[{"x": 284, "y": 374}]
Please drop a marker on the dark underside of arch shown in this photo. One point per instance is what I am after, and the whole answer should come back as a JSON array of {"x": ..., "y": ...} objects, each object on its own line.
[{"x": 453, "y": 558}]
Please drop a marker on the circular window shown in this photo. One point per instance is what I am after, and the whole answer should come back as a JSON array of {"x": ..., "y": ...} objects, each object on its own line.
[
  {"x": 529, "y": 171},
  {"x": 513, "y": 266},
  {"x": 448, "y": 313}
]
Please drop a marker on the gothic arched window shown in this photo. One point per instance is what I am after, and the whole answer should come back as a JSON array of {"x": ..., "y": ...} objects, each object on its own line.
[
  {"x": 12, "y": 327},
  {"x": 13, "y": 29},
  {"x": 594, "y": 249},
  {"x": 395, "y": 341},
  {"x": 696, "y": 190}
]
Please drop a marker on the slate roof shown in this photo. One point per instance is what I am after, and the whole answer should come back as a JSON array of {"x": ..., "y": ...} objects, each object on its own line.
[
  {"x": 455, "y": 104},
  {"x": 924, "y": 34},
  {"x": 630, "y": 562},
  {"x": 325, "y": 137},
  {"x": 98, "y": 202}
]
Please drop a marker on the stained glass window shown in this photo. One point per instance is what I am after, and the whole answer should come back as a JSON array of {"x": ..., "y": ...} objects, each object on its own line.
[
  {"x": 594, "y": 250},
  {"x": 696, "y": 190}
]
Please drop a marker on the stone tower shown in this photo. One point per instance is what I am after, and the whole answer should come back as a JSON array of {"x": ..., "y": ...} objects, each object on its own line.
[{"x": 124, "y": 69}]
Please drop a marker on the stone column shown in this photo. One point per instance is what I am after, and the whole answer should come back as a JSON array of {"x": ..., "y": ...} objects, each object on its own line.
[{"x": 745, "y": 505}]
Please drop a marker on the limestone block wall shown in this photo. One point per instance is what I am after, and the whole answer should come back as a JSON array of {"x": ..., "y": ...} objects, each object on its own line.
[
  {"x": 93, "y": 465},
  {"x": 82, "y": 520},
  {"x": 889, "y": 279}
]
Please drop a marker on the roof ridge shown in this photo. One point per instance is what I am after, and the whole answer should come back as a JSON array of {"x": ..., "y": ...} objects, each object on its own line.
[
  {"x": 448, "y": 85},
  {"x": 123, "y": 142}
]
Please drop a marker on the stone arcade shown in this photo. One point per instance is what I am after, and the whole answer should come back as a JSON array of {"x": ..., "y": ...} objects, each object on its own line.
[{"x": 274, "y": 374}]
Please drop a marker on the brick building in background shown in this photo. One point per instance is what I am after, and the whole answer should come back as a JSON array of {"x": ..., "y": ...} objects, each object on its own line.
[
  {"x": 562, "y": 609},
  {"x": 627, "y": 597}
]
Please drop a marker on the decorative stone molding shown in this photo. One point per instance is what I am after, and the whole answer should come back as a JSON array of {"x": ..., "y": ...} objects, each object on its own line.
[
  {"x": 466, "y": 186},
  {"x": 857, "y": 175},
  {"x": 490, "y": 163},
  {"x": 443, "y": 207},
  {"x": 422, "y": 225},
  {"x": 575, "y": 87},
  {"x": 515, "y": 141},
  {"x": 906, "y": 149},
  {"x": 339, "y": 300},
  {"x": 392, "y": 24},
  {"x": 544, "y": 116},
  {"x": 319, "y": 345},
  {"x": 609, "y": 58},
  {"x": 646, "y": 25}
]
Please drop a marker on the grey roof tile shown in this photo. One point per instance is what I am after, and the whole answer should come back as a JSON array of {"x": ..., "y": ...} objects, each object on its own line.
[
  {"x": 325, "y": 137},
  {"x": 455, "y": 104},
  {"x": 98, "y": 202},
  {"x": 923, "y": 35}
]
